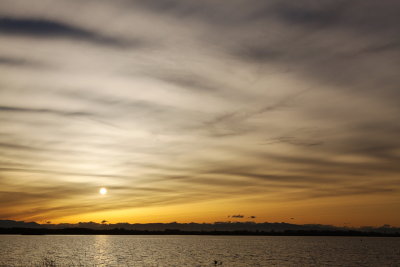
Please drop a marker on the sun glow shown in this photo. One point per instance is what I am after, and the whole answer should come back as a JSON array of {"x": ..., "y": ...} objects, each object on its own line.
[{"x": 103, "y": 191}]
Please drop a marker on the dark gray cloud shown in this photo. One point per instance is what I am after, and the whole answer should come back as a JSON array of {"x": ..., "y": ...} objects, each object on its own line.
[
  {"x": 336, "y": 42},
  {"x": 11, "y": 109},
  {"x": 19, "y": 62},
  {"x": 297, "y": 179},
  {"x": 206, "y": 11},
  {"x": 190, "y": 82},
  {"x": 127, "y": 106},
  {"x": 310, "y": 13},
  {"x": 238, "y": 216},
  {"x": 41, "y": 28},
  {"x": 235, "y": 123},
  {"x": 293, "y": 141},
  {"x": 342, "y": 14}
]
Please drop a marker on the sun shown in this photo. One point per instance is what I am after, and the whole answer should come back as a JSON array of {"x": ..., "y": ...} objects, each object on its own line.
[{"x": 103, "y": 191}]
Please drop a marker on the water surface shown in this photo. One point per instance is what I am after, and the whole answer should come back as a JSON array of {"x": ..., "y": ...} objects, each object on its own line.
[{"x": 196, "y": 251}]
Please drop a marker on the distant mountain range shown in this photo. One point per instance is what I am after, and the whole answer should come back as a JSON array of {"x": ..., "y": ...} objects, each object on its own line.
[{"x": 200, "y": 227}]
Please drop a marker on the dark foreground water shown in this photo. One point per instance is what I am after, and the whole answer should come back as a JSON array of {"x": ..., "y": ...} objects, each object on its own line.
[{"x": 195, "y": 251}]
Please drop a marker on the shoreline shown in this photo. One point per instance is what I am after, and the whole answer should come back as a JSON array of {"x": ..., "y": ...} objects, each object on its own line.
[{"x": 87, "y": 231}]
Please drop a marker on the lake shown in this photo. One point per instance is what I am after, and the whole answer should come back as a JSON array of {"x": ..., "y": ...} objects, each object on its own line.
[{"x": 196, "y": 251}]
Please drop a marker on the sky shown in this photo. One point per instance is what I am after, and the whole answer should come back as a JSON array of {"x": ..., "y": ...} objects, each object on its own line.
[{"x": 190, "y": 110}]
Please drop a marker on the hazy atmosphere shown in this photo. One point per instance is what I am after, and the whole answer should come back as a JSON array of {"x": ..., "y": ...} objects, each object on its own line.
[{"x": 200, "y": 111}]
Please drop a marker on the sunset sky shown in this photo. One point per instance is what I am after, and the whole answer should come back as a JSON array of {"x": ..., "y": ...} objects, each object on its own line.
[{"x": 189, "y": 110}]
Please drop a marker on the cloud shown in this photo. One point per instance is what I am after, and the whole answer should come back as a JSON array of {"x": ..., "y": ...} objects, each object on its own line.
[
  {"x": 320, "y": 15},
  {"x": 190, "y": 82},
  {"x": 240, "y": 103},
  {"x": 237, "y": 216},
  {"x": 293, "y": 141},
  {"x": 19, "y": 62},
  {"x": 9, "y": 109},
  {"x": 307, "y": 46},
  {"x": 42, "y": 28}
]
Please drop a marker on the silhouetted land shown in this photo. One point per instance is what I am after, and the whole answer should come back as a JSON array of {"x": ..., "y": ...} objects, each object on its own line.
[
  {"x": 217, "y": 228},
  {"x": 86, "y": 231}
]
